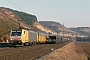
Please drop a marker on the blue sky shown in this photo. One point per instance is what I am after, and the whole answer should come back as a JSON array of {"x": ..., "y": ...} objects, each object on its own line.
[{"x": 73, "y": 13}]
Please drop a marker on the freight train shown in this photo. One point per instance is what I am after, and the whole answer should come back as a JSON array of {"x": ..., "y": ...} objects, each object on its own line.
[{"x": 28, "y": 37}]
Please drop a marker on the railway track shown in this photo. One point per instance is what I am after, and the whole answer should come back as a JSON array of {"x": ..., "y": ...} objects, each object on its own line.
[{"x": 28, "y": 52}]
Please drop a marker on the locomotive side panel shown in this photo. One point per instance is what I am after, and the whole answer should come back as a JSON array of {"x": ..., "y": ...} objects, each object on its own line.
[
  {"x": 24, "y": 35},
  {"x": 32, "y": 36}
]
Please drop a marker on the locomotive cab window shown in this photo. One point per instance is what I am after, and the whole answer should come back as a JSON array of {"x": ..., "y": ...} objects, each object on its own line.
[
  {"x": 24, "y": 32},
  {"x": 16, "y": 33}
]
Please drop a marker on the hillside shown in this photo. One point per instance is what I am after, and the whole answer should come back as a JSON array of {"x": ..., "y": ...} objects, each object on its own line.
[
  {"x": 82, "y": 30},
  {"x": 31, "y": 20},
  {"x": 27, "y": 18},
  {"x": 43, "y": 28},
  {"x": 12, "y": 19},
  {"x": 7, "y": 21},
  {"x": 57, "y": 27}
]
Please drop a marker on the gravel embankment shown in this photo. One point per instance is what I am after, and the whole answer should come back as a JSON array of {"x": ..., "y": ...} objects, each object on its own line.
[
  {"x": 86, "y": 48},
  {"x": 71, "y": 51}
]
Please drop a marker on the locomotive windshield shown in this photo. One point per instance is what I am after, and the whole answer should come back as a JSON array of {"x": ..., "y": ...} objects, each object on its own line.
[{"x": 16, "y": 33}]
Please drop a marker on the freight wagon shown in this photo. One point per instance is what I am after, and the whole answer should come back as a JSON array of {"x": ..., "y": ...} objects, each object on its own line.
[
  {"x": 42, "y": 37},
  {"x": 53, "y": 39}
]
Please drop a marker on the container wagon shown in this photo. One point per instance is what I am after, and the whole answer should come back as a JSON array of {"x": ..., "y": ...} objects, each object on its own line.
[{"x": 53, "y": 39}]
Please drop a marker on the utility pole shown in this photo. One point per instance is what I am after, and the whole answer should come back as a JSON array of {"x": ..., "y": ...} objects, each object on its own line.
[
  {"x": 63, "y": 33},
  {"x": 68, "y": 36},
  {"x": 19, "y": 24}
]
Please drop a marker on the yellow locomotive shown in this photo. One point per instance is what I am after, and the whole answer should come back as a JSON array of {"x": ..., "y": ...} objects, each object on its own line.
[{"x": 26, "y": 37}]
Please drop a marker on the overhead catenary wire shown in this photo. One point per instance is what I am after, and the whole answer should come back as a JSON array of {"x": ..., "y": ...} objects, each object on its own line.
[
  {"x": 18, "y": 8},
  {"x": 14, "y": 5},
  {"x": 42, "y": 9},
  {"x": 28, "y": 8},
  {"x": 24, "y": 6}
]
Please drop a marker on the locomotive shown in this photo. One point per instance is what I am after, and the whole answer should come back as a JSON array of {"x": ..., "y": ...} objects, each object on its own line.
[{"x": 28, "y": 37}]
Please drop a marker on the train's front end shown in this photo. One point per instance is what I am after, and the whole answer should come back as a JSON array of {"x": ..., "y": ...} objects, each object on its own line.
[{"x": 15, "y": 37}]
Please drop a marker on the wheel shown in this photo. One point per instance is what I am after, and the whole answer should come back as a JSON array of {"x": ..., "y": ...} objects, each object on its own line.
[
  {"x": 27, "y": 44},
  {"x": 22, "y": 45}
]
